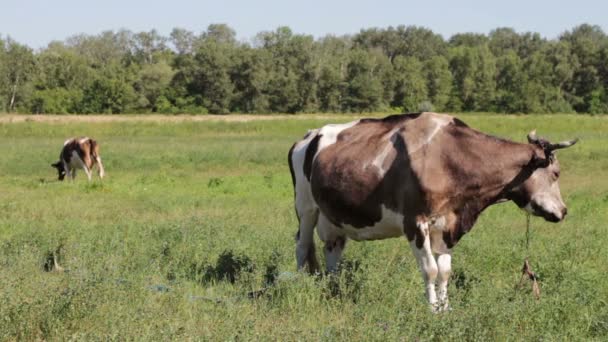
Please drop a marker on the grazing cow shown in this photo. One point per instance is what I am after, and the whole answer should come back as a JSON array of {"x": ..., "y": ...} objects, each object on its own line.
[
  {"x": 80, "y": 153},
  {"x": 427, "y": 176}
]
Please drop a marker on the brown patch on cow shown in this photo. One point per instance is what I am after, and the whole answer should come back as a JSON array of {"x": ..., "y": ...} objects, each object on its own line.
[{"x": 349, "y": 192}]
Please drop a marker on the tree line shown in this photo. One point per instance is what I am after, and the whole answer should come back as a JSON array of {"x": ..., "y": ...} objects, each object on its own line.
[{"x": 403, "y": 68}]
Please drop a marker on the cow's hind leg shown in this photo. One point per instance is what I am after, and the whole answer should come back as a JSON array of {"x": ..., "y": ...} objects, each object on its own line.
[
  {"x": 305, "y": 244},
  {"x": 100, "y": 169},
  {"x": 333, "y": 243},
  {"x": 421, "y": 246}
]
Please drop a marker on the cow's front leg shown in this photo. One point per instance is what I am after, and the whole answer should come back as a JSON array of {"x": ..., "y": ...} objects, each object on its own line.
[
  {"x": 334, "y": 243},
  {"x": 333, "y": 252},
  {"x": 421, "y": 246},
  {"x": 444, "y": 263}
]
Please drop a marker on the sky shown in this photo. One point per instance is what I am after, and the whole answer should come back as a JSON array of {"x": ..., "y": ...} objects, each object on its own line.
[{"x": 38, "y": 22}]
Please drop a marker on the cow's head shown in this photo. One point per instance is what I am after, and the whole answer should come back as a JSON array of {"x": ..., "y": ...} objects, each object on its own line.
[
  {"x": 60, "y": 170},
  {"x": 539, "y": 193}
]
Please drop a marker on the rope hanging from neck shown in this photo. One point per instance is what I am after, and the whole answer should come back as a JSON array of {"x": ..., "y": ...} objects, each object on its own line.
[{"x": 526, "y": 270}]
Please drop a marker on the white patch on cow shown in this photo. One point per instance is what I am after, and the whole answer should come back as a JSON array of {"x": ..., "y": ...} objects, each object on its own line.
[
  {"x": 330, "y": 133},
  {"x": 67, "y": 141},
  {"x": 83, "y": 140},
  {"x": 390, "y": 225},
  {"x": 380, "y": 159}
]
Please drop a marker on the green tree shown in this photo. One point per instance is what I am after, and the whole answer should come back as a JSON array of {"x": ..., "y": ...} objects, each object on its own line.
[
  {"x": 251, "y": 76},
  {"x": 211, "y": 77},
  {"x": 60, "y": 77},
  {"x": 511, "y": 81},
  {"x": 587, "y": 42},
  {"x": 182, "y": 40},
  {"x": 363, "y": 91},
  {"x": 410, "y": 85},
  {"x": 151, "y": 83},
  {"x": 468, "y": 39},
  {"x": 439, "y": 82},
  {"x": 110, "y": 92},
  {"x": 333, "y": 58},
  {"x": 18, "y": 68},
  {"x": 292, "y": 85},
  {"x": 474, "y": 71}
]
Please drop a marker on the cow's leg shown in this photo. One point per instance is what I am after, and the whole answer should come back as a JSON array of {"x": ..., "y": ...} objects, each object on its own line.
[
  {"x": 100, "y": 168},
  {"x": 421, "y": 245},
  {"x": 333, "y": 243},
  {"x": 68, "y": 170},
  {"x": 305, "y": 244},
  {"x": 87, "y": 171},
  {"x": 444, "y": 263}
]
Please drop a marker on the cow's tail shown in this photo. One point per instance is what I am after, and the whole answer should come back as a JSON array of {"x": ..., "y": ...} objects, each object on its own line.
[{"x": 291, "y": 170}]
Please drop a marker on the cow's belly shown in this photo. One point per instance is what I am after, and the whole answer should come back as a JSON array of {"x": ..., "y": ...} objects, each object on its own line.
[
  {"x": 389, "y": 226},
  {"x": 75, "y": 161}
]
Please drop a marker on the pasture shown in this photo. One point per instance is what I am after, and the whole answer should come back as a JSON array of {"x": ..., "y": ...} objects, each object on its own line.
[{"x": 191, "y": 236}]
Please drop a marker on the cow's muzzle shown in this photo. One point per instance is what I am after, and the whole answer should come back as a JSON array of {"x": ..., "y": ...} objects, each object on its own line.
[{"x": 551, "y": 216}]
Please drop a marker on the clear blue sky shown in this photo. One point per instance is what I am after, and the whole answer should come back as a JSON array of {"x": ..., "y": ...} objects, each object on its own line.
[{"x": 37, "y": 22}]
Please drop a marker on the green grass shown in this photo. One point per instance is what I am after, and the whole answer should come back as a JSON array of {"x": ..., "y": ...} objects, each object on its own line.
[{"x": 142, "y": 247}]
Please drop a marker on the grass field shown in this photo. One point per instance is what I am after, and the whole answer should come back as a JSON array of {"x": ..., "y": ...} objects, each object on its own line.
[{"x": 195, "y": 218}]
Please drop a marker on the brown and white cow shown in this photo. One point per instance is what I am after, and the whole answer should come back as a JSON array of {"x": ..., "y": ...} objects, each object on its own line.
[
  {"x": 78, "y": 153},
  {"x": 426, "y": 176}
]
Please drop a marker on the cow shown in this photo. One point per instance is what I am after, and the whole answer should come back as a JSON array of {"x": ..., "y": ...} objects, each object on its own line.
[
  {"x": 78, "y": 153},
  {"x": 425, "y": 176}
]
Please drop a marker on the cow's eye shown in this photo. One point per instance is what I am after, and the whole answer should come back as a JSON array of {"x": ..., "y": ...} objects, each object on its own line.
[{"x": 556, "y": 174}]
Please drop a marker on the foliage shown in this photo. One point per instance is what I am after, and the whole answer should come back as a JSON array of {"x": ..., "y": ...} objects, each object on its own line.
[{"x": 407, "y": 67}]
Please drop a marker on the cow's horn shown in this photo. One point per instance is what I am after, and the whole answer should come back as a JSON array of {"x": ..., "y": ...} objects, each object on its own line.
[
  {"x": 563, "y": 144},
  {"x": 532, "y": 138}
]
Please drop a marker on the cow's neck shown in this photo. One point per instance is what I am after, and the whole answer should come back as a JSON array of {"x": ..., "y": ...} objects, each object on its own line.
[
  {"x": 498, "y": 179},
  {"x": 505, "y": 165}
]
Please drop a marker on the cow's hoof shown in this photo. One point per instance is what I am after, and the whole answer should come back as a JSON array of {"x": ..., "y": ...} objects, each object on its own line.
[{"x": 438, "y": 308}]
